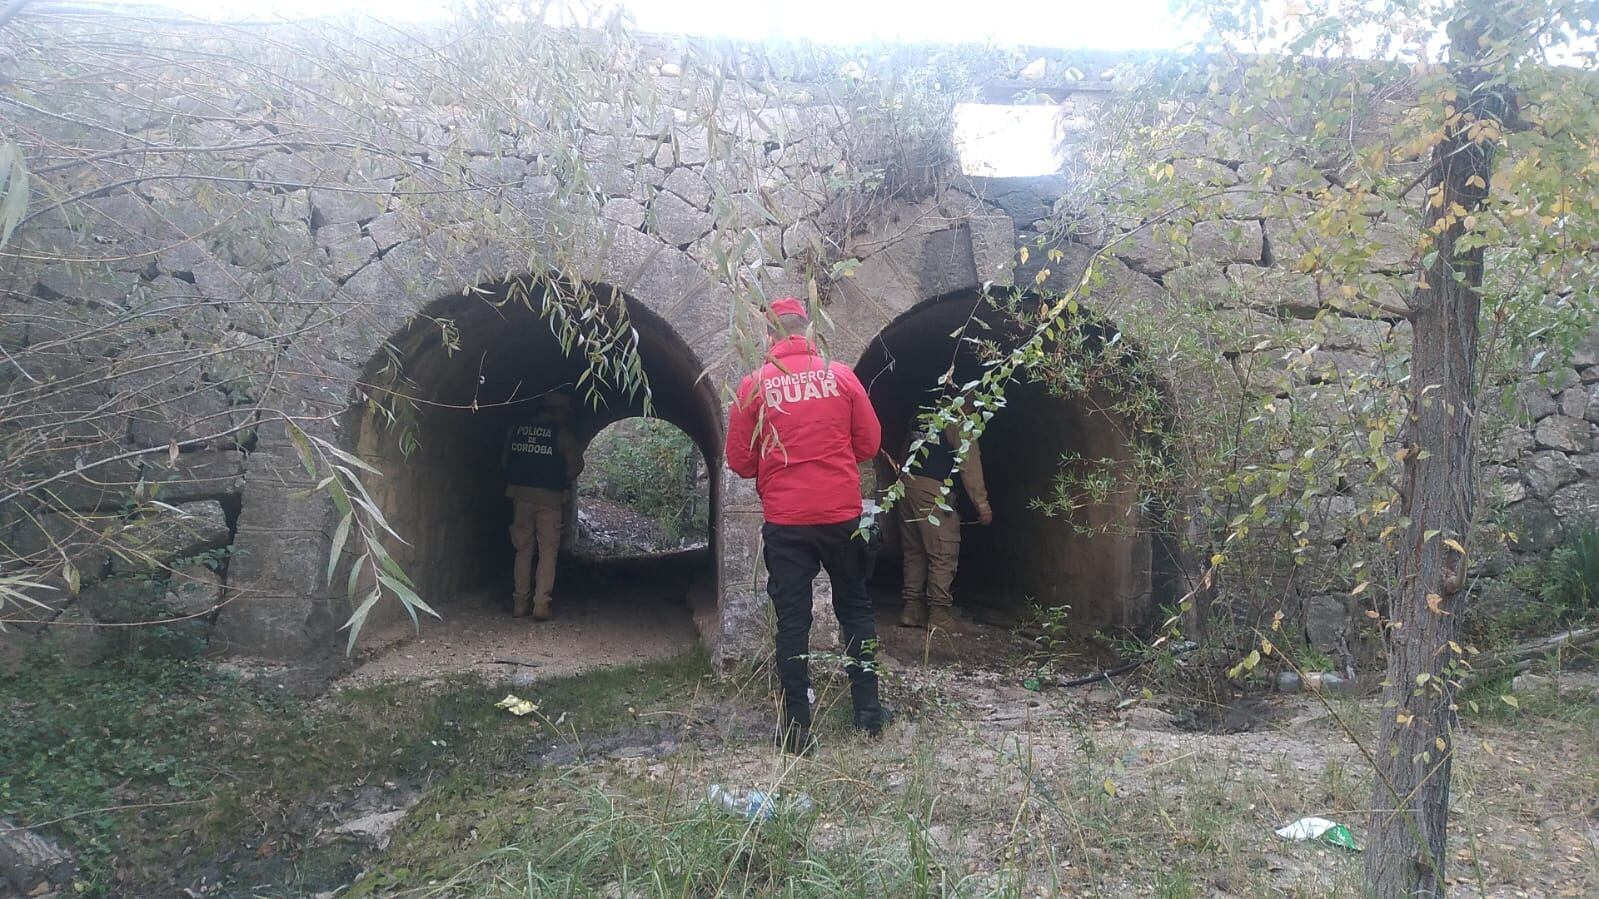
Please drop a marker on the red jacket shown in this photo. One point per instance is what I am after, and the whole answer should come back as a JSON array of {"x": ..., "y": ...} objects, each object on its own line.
[{"x": 800, "y": 426}]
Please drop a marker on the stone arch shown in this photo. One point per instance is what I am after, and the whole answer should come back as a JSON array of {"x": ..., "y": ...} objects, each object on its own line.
[
  {"x": 1113, "y": 562},
  {"x": 285, "y": 610},
  {"x": 470, "y": 381}
]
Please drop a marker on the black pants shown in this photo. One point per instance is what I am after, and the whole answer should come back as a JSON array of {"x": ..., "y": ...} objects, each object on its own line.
[{"x": 794, "y": 553}]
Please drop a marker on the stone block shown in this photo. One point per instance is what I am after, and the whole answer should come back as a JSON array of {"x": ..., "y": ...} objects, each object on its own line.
[
  {"x": 194, "y": 590},
  {"x": 1024, "y": 200},
  {"x": 1547, "y": 471},
  {"x": 688, "y": 146},
  {"x": 675, "y": 221},
  {"x": 1571, "y": 435},
  {"x": 346, "y": 249},
  {"x": 187, "y": 419},
  {"x": 169, "y": 533},
  {"x": 47, "y": 539},
  {"x": 1511, "y": 445},
  {"x": 333, "y": 207},
  {"x": 497, "y": 172},
  {"x": 126, "y": 600},
  {"x": 623, "y": 211},
  {"x": 1534, "y": 524},
  {"x": 1275, "y": 288},
  {"x": 689, "y": 186},
  {"x": 993, "y": 248},
  {"x": 1534, "y": 400},
  {"x": 824, "y": 621},
  {"x": 1575, "y": 403},
  {"x": 1577, "y": 505},
  {"x": 391, "y": 229},
  {"x": 1225, "y": 241},
  {"x": 82, "y": 282},
  {"x": 1327, "y": 622},
  {"x": 1503, "y": 485}
]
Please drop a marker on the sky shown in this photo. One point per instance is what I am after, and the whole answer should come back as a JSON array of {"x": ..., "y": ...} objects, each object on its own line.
[{"x": 1095, "y": 24}]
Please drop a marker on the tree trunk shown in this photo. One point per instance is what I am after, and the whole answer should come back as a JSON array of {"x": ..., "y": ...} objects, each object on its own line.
[{"x": 1410, "y": 799}]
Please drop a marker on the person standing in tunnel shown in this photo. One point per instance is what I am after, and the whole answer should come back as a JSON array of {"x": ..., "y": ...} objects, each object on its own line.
[
  {"x": 930, "y": 536},
  {"x": 800, "y": 426},
  {"x": 541, "y": 461}
]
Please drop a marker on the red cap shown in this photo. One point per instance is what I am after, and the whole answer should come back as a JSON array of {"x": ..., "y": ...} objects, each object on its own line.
[{"x": 788, "y": 306}]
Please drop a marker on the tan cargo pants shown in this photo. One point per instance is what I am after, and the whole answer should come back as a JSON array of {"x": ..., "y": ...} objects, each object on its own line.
[
  {"x": 535, "y": 526},
  {"x": 932, "y": 551}
]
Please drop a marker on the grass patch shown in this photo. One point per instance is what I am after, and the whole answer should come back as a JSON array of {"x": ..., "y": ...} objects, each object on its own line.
[{"x": 148, "y": 769}]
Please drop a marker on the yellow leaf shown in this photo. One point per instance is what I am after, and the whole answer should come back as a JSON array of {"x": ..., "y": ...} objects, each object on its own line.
[
  {"x": 1454, "y": 544},
  {"x": 1266, "y": 647},
  {"x": 516, "y": 705},
  {"x": 1435, "y": 604},
  {"x": 1109, "y": 787},
  {"x": 1403, "y": 717},
  {"x": 1509, "y": 700},
  {"x": 1360, "y": 588},
  {"x": 1023, "y": 254},
  {"x": 1476, "y": 181}
]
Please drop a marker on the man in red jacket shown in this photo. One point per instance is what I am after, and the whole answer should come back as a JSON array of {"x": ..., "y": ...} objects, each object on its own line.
[{"x": 800, "y": 426}]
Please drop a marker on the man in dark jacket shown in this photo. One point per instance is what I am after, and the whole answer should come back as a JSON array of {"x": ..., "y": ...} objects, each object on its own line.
[
  {"x": 801, "y": 426},
  {"x": 541, "y": 461}
]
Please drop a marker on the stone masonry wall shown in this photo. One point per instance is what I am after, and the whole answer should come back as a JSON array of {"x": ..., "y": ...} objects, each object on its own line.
[{"x": 176, "y": 321}]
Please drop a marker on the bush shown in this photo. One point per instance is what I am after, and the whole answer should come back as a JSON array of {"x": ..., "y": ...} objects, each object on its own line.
[
  {"x": 653, "y": 468},
  {"x": 1571, "y": 577}
]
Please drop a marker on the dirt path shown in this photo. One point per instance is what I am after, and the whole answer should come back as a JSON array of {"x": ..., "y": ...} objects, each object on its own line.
[{"x": 601, "y": 622}]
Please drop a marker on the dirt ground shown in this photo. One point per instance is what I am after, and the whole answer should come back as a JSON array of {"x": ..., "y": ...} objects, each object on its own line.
[{"x": 603, "y": 618}]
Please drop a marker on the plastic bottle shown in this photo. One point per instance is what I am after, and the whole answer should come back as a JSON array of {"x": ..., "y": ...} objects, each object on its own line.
[{"x": 756, "y": 805}]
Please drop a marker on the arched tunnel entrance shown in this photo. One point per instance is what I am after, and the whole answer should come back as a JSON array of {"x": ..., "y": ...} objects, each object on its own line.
[
  {"x": 461, "y": 375},
  {"x": 1103, "y": 559}
]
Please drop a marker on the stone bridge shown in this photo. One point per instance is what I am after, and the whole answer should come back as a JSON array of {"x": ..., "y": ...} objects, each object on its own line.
[{"x": 340, "y": 276}]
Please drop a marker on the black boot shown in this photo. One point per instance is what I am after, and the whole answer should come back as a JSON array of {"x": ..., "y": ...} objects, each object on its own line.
[{"x": 871, "y": 721}]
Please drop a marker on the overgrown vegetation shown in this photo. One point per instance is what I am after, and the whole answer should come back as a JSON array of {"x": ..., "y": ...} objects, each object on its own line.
[
  {"x": 161, "y": 775},
  {"x": 1571, "y": 576},
  {"x": 655, "y": 469}
]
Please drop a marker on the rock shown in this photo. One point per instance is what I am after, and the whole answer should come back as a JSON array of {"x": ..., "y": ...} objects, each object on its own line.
[
  {"x": 125, "y": 600},
  {"x": 1575, "y": 403},
  {"x": 333, "y": 207},
  {"x": 1327, "y": 622},
  {"x": 1587, "y": 464},
  {"x": 1534, "y": 524},
  {"x": 346, "y": 249},
  {"x": 174, "y": 532},
  {"x": 1225, "y": 241},
  {"x": 624, "y": 211},
  {"x": 1524, "y": 684},
  {"x": 1511, "y": 445},
  {"x": 373, "y": 828},
  {"x": 1547, "y": 471},
  {"x": 1572, "y": 435},
  {"x": 194, "y": 590},
  {"x": 824, "y": 626},
  {"x": 677, "y": 223},
  {"x": 188, "y": 419},
  {"x": 1504, "y": 485},
  {"x": 28, "y": 860},
  {"x": 690, "y": 186},
  {"x": 1535, "y": 400},
  {"x": 1578, "y": 501}
]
